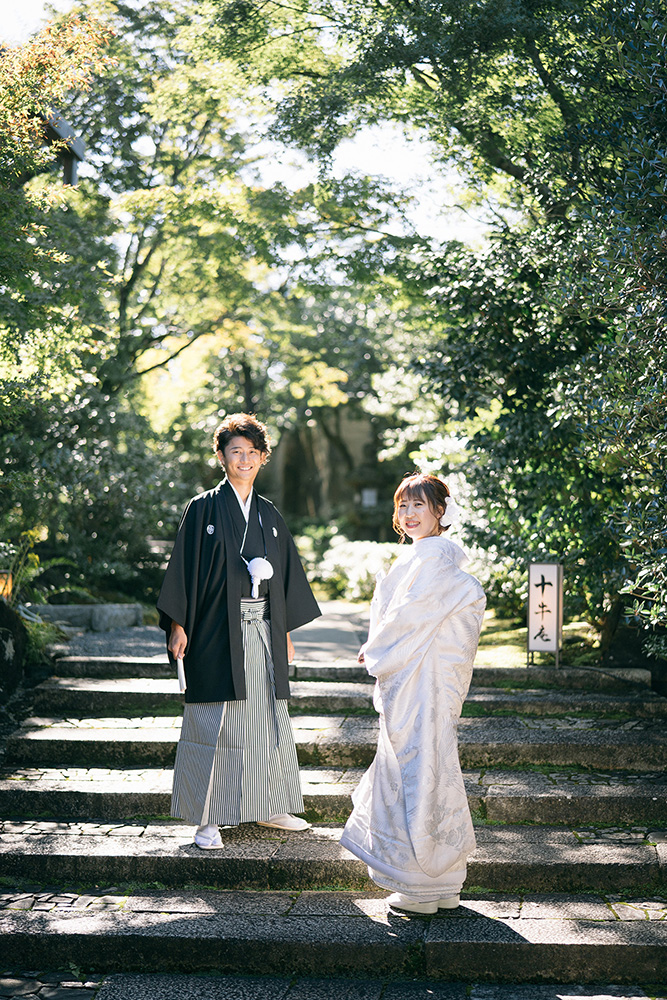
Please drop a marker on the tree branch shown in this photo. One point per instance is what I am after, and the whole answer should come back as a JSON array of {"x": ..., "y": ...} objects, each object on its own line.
[
  {"x": 488, "y": 144},
  {"x": 555, "y": 93},
  {"x": 567, "y": 111},
  {"x": 137, "y": 270},
  {"x": 152, "y": 293},
  {"x": 161, "y": 364}
]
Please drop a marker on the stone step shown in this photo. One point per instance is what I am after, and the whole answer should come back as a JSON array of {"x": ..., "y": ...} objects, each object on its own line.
[
  {"x": 114, "y": 666},
  {"x": 109, "y": 696},
  {"x": 161, "y": 986},
  {"x": 569, "y": 678},
  {"x": 526, "y": 701},
  {"x": 333, "y": 740},
  {"x": 138, "y": 695},
  {"x": 564, "y": 796},
  {"x": 508, "y": 939},
  {"x": 539, "y": 859}
]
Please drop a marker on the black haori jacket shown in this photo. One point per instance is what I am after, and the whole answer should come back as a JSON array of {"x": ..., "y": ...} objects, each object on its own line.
[{"x": 206, "y": 579}]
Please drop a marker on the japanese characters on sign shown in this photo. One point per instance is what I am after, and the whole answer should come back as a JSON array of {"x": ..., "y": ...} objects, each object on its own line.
[{"x": 545, "y": 607}]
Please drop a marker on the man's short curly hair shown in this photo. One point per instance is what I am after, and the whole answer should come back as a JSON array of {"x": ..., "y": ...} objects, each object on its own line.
[{"x": 242, "y": 425}]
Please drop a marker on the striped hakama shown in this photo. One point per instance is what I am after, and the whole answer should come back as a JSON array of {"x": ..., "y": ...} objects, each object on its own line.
[{"x": 236, "y": 760}]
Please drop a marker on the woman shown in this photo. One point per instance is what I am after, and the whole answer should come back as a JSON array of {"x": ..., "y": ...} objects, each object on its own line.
[
  {"x": 411, "y": 822},
  {"x": 233, "y": 591}
]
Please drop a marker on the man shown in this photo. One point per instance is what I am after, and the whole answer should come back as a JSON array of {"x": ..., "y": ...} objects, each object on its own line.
[{"x": 236, "y": 759}]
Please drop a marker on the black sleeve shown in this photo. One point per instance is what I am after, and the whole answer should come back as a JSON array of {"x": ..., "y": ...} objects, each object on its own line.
[
  {"x": 300, "y": 605},
  {"x": 178, "y": 592}
]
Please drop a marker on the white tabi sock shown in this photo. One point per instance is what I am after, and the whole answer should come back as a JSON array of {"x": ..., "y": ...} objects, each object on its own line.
[{"x": 208, "y": 832}]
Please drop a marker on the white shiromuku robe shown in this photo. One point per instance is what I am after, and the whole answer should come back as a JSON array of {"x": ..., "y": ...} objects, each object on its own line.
[{"x": 411, "y": 823}]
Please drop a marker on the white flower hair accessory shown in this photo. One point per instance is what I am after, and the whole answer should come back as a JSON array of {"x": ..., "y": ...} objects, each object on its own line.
[{"x": 452, "y": 513}]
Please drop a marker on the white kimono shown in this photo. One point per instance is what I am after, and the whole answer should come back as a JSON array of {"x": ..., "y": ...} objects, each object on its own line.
[{"x": 411, "y": 822}]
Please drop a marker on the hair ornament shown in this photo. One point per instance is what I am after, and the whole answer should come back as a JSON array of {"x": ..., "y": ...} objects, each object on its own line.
[{"x": 452, "y": 513}]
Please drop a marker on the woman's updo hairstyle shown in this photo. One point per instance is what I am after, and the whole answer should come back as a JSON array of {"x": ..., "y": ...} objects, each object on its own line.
[
  {"x": 242, "y": 425},
  {"x": 420, "y": 486}
]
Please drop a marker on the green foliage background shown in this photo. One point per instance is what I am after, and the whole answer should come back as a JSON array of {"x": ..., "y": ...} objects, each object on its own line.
[{"x": 175, "y": 285}]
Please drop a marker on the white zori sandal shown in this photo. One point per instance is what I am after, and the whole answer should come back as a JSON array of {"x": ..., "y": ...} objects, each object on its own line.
[
  {"x": 398, "y": 901},
  {"x": 208, "y": 838},
  {"x": 284, "y": 821}
]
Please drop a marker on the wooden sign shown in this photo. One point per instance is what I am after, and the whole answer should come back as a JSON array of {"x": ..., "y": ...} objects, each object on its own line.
[{"x": 545, "y": 608}]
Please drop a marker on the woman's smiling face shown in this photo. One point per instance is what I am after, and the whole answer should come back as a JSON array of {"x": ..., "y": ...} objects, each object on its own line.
[{"x": 416, "y": 518}]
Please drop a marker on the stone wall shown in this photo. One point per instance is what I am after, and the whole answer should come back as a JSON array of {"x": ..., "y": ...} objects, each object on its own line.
[{"x": 95, "y": 617}]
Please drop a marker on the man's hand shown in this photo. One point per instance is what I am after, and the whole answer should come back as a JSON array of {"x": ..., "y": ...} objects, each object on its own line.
[
  {"x": 178, "y": 641},
  {"x": 290, "y": 648}
]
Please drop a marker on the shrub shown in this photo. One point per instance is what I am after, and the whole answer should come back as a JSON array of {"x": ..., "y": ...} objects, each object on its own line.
[
  {"x": 349, "y": 569},
  {"x": 505, "y": 582}
]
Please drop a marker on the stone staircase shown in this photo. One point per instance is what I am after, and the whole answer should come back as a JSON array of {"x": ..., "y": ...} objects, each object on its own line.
[{"x": 565, "y": 773}]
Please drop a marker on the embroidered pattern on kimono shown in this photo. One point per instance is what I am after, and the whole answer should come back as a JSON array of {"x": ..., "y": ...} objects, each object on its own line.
[{"x": 411, "y": 822}]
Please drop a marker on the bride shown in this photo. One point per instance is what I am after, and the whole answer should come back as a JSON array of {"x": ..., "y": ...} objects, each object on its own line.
[{"x": 411, "y": 823}]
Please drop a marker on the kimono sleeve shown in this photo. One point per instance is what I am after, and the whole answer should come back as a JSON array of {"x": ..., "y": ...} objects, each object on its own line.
[
  {"x": 300, "y": 605},
  {"x": 432, "y": 590},
  {"x": 178, "y": 594}
]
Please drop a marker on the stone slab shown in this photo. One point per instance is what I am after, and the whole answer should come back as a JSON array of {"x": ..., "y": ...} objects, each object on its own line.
[
  {"x": 97, "y": 617},
  {"x": 48, "y": 986},
  {"x": 365, "y": 939},
  {"x": 156, "y": 986},
  {"x": 125, "y": 986},
  {"x": 646, "y": 704},
  {"x": 571, "y": 950},
  {"x": 563, "y": 796},
  {"x": 78, "y": 615},
  {"x": 159, "y": 986},
  {"x": 551, "y": 991},
  {"x": 106, "y": 617},
  {"x": 372, "y": 904},
  {"x": 114, "y": 666},
  {"x": 572, "y": 796},
  {"x": 227, "y": 942},
  {"x": 350, "y": 741},
  {"x": 569, "y": 678},
  {"x": 346, "y": 669},
  {"x": 158, "y": 666},
  {"x": 535, "y": 859},
  {"x": 106, "y": 793},
  {"x": 109, "y": 696}
]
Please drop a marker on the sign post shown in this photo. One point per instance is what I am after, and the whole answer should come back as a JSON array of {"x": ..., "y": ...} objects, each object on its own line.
[{"x": 545, "y": 609}]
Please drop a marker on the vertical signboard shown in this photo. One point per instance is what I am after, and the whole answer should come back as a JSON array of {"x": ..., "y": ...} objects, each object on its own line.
[{"x": 545, "y": 608}]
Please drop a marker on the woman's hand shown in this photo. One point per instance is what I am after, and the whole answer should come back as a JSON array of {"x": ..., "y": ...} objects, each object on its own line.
[
  {"x": 360, "y": 656},
  {"x": 178, "y": 641},
  {"x": 290, "y": 648}
]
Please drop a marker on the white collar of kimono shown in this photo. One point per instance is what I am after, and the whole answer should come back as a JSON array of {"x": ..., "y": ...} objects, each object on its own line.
[
  {"x": 244, "y": 504},
  {"x": 259, "y": 568}
]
